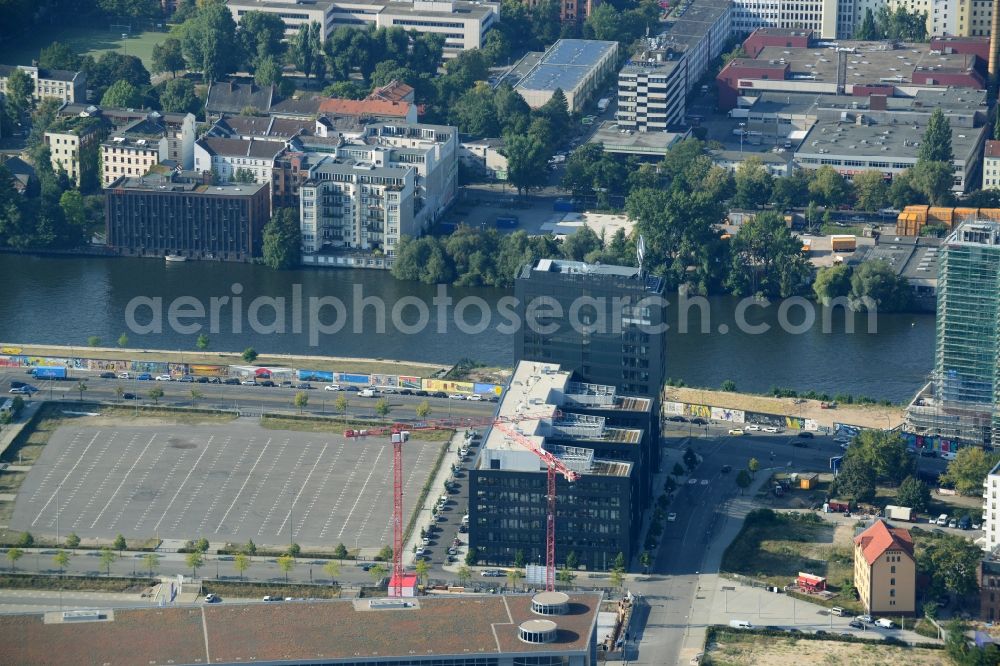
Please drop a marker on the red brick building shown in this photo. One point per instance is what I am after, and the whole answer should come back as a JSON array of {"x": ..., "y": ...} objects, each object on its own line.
[
  {"x": 727, "y": 82},
  {"x": 784, "y": 37}
]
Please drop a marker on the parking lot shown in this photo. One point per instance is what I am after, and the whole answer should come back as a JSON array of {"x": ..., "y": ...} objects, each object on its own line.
[{"x": 231, "y": 482}]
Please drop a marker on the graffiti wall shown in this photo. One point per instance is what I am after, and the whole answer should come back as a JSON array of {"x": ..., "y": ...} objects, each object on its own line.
[
  {"x": 673, "y": 408},
  {"x": 495, "y": 389},
  {"x": 315, "y": 376},
  {"x": 446, "y": 386},
  {"x": 409, "y": 382},
  {"x": 933, "y": 443},
  {"x": 698, "y": 411},
  {"x": 730, "y": 415},
  {"x": 776, "y": 420}
]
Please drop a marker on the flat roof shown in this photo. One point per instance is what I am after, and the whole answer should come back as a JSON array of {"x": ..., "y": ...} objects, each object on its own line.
[
  {"x": 891, "y": 141},
  {"x": 163, "y": 184},
  {"x": 298, "y": 632},
  {"x": 564, "y": 65},
  {"x": 949, "y": 100},
  {"x": 638, "y": 143}
]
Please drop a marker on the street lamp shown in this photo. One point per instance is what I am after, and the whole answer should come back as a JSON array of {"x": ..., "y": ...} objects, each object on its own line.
[{"x": 742, "y": 134}]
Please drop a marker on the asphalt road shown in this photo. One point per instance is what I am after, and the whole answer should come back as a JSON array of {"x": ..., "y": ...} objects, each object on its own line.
[{"x": 224, "y": 396}]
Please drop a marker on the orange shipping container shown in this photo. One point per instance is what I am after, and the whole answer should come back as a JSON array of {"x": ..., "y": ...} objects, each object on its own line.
[{"x": 940, "y": 215}]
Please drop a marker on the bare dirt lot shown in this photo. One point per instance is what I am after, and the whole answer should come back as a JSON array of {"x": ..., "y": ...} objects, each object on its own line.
[{"x": 779, "y": 651}]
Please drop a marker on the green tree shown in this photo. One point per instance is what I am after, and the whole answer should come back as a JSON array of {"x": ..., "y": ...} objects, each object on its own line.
[
  {"x": 340, "y": 404},
  {"x": 678, "y": 470},
  {"x": 646, "y": 560},
  {"x": 241, "y": 562},
  {"x": 384, "y": 554},
  {"x": 201, "y": 545},
  {"x": 729, "y": 386},
  {"x": 914, "y": 493},
  {"x": 208, "y": 41},
  {"x": 527, "y": 162},
  {"x": 20, "y": 87},
  {"x": 885, "y": 453},
  {"x": 423, "y": 571},
  {"x": 382, "y": 408},
  {"x": 933, "y": 180},
  {"x": 472, "y": 556},
  {"x": 249, "y": 355},
  {"x": 767, "y": 259},
  {"x": 122, "y": 94},
  {"x": 179, "y": 96},
  {"x": 294, "y": 549},
  {"x": 26, "y": 540},
  {"x": 872, "y": 190},
  {"x": 119, "y": 544},
  {"x": 286, "y": 563},
  {"x": 423, "y": 410},
  {"x": 13, "y": 555},
  {"x": 282, "y": 239},
  {"x": 856, "y": 479},
  {"x": 936, "y": 143},
  {"x": 743, "y": 480},
  {"x": 340, "y": 552},
  {"x": 194, "y": 559},
  {"x": 829, "y": 188},
  {"x": 753, "y": 184},
  {"x": 260, "y": 36},
  {"x": 581, "y": 243},
  {"x": 268, "y": 72},
  {"x": 168, "y": 57},
  {"x": 202, "y": 342},
  {"x": 72, "y": 541},
  {"x": 514, "y": 577},
  {"x": 304, "y": 47},
  {"x": 301, "y": 400},
  {"x": 378, "y": 572},
  {"x": 619, "y": 562},
  {"x": 876, "y": 284},
  {"x": 155, "y": 394},
  {"x": 59, "y": 56},
  {"x": 753, "y": 466},
  {"x": 832, "y": 282},
  {"x": 617, "y": 578},
  {"x": 61, "y": 560},
  {"x": 81, "y": 386},
  {"x": 950, "y": 562},
  {"x": 137, "y": 9},
  {"x": 464, "y": 574},
  {"x": 197, "y": 394},
  {"x": 123, "y": 341},
  {"x": 966, "y": 472},
  {"x": 867, "y": 29},
  {"x": 250, "y": 548},
  {"x": 93, "y": 341},
  {"x": 572, "y": 560},
  {"x": 108, "y": 558},
  {"x": 332, "y": 569},
  {"x": 152, "y": 561}
]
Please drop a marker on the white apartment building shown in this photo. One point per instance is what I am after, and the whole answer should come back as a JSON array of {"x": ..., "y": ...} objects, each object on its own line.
[
  {"x": 146, "y": 142},
  {"x": 65, "y": 86},
  {"x": 73, "y": 146},
  {"x": 292, "y": 13},
  {"x": 991, "y": 166},
  {"x": 991, "y": 526},
  {"x": 226, "y": 157},
  {"x": 651, "y": 92},
  {"x": 820, "y": 16}
]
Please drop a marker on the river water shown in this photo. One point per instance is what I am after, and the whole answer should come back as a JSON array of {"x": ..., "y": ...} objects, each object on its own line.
[{"x": 48, "y": 300}]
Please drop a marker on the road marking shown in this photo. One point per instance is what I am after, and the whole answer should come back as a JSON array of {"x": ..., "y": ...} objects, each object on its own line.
[
  {"x": 343, "y": 491},
  {"x": 304, "y": 483},
  {"x": 124, "y": 479},
  {"x": 362, "y": 491},
  {"x": 284, "y": 487},
  {"x": 220, "y": 492},
  {"x": 107, "y": 477},
  {"x": 252, "y": 501},
  {"x": 319, "y": 491},
  {"x": 166, "y": 482},
  {"x": 194, "y": 466},
  {"x": 78, "y": 461},
  {"x": 138, "y": 486},
  {"x": 245, "y": 481},
  {"x": 67, "y": 500},
  {"x": 55, "y": 466},
  {"x": 201, "y": 484}
]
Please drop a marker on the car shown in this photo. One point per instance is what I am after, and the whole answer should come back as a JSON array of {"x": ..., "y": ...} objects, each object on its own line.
[
  {"x": 405, "y": 391},
  {"x": 388, "y": 390},
  {"x": 144, "y": 377},
  {"x": 453, "y": 551},
  {"x": 367, "y": 567},
  {"x": 421, "y": 551},
  {"x": 475, "y": 397},
  {"x": 699, "y": 421},
  {"x": 671, "y": 517},
  {"x": 928, "y": 453},
  {"x": 736, "y": 432},
  {"x": 20, "y": 390},
  {"x": 211, "y": 598},
  {"x": 752, "y": 428},
  {"x": 856, "y": 624},
  {"x": 456, "y": 396},
  {"x": 215, "y": 380},
  {"x": 952, "y": 523},
  {"x": 439, "y": 394},
  {"x": 286, "y": 384},
  {"x": 841, "y": 439},
  {"x": 17, "y": 384},
  {"x": 268, "y": 383},
  {"x": 677, "y": 419},
  {"x": 726, "y": 469},
  {"x": 704, "y": 482},
  {"x": 201, "y": 380},
  {"x": 421, "y": 393},
  {"x": 187, "y": 379},
  {"x": 772, "y": 429},
  {"x": 226, "y": 558},
  {"x": 273, "y": 598},
  {"x": 304, "y": 385},
  {"x": 353, "y": 389},
  {"x": 108, "y": 375},
  {"x": 884, "y": 623},
  {"x": 164, "y": 378},
  {"x": 124, "y": 375},
  {"x": 692, "y": 482},
  {"x": 865, "y": 619},
  {"x": 976, "y": 525},
  {"x": 332, "y": 387},
  {"x": 129, "y": 396},
  {"x": 232, "y": 381},
  {"x": 805, "y": 434},
  {"x": 367, "y": 393},
  {"x": 248, "y": 382},
  {"x": 463, "y": 528}
]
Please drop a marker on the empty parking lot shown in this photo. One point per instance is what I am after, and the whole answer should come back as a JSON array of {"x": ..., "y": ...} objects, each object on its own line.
[{"x": 229, "y": 482}]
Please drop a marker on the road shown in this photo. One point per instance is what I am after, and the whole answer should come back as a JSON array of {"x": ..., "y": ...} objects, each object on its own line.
[{"x": 222, "y": 396}]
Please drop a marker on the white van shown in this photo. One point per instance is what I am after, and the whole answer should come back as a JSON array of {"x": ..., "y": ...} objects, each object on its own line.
[
  {"x": 838, "y": 611},
  {"x": 740, "y": 624},
  {"x": 942, "y": 519},
  {"x": 465, "y": 519},
  {"x": 367, "y": 393}
]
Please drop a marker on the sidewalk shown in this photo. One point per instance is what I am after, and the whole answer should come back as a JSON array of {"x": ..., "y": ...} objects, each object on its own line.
[{"x": 9, "y": 432}]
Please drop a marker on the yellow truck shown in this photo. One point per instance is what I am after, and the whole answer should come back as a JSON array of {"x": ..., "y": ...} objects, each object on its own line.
[{"x": 843, "y": 243}]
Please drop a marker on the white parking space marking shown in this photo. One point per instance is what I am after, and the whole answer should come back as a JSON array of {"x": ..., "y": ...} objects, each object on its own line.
[
  {"x": 343, "y": 491},
  {"x": 285, "y": 492},
  {"x": 194, "y": 466},
  {"x": 119, "y": 461},
  {"x": 55, "y": 467},
  {"x": 193, "y": 495},
  {"x": 132, "y": 502},
  {"x": 302, "y": 489},
  {"x": 71, "y": 470},
  {"x": 252, "y": 501},
  {"x": 245, "y": 482},
  {"x": 124, "y": 479},
  {"x": 361, "y": 493},
  {"x": 181, "y": 459},
  {"x": 221, "y": 491},
  {"x": 66, "y": 499}
]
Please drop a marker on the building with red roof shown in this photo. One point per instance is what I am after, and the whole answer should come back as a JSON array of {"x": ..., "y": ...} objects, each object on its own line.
[{"x": 885, "y": 571}]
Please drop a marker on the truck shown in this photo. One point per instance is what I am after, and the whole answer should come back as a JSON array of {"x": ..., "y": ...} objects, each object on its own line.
[
  {"x": 843, "y": 243},
  {"x": 602, "y": 104},
  {"x": 838, "y": 506},
  {"x": 903, "y": 513},
  {"x": 54, "y": 372}
]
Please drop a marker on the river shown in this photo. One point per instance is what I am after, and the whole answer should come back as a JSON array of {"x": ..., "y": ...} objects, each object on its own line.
[{"x": 47, "y": 300}]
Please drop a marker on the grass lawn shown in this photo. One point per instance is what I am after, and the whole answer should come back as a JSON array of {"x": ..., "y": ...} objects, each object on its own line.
[
  {"x": 732, "y": 649},
  {"x": 807, "y": 544},
  {"x": 836, "y": 229},
  {"x": 90, "y": 39}
]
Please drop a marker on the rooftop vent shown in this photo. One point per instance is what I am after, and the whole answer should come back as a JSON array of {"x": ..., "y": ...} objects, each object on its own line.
[
  {"x": 537, "y": 631},
  {"x": 550, "y": 603}
]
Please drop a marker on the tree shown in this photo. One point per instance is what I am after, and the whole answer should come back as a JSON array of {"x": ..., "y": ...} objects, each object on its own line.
[
  {"x": 384, "y": 554},
  {"x": 753, "y": 184},
  {"x": 201, "y": 545},
  {"x": 423, "y": 571},
  {"x": 260, "y": 36},
  {"x": 729, "y": 386},
  {"x": 202, "y": 342},
  {"x": 294, "y": 549},
  {"x": 282, "y": 239},
  {"x": 72, "y": 541},
  {"x": 914, "y": 493},
  {"x": 527, "y": 162},
  {"x": 936, "y": 143},
  {"x": 767, "y": 259},
  {"x": 856, "y": 479},
  {"x": 472, "y": 556},
  {"x": 119, "y": 544},
  {"x": 678, "y": 470},
  {"x": 122, "y": 94},
  {"x": 18, "y": 95},
  {"x": 13, "y": 555},
  {"x": 951, "y": 562},
  {"x": 59, "y": 56},
  {"x": 241, "y": 562},
  {"x": 743, "y": 480},
  {"x": 194, "y": 559},
  {"x": 874, "y": 284},
  {"x": 519, "y": 558},
  {"x": 332, "y": 569},
  {"x": 577, "y": 245},
  {"x": 966, "y": 472},
  {"x": 340, "y": 552},
  {"x": 301, "y": 400},
  {"x": 179, "y": 96},
  {"x": 304, "y": 47},
  {"x": 514, "y": 577},
  {"x": 464, "y": 574},
  {"x": 93, "y": 341},
  {"x": 382, "y": 408},
  {"x": 378, "y": 572},
  {"x": 885, "y": 454},
  {"x": 832, "y": 282},
  {"x": 168, "y": 57},
  {"x": 829, "y": 188},
  {"x": 81, "y": 386},
  {"x": 617, "y": 578},
  {"x": 197, "y": 394},
  {"x": 753, "y": 466},
  {"x": 423, "y": 410},
  {"x": 61, "y": 560},
  {"x": 112, "y": 66},
  {"x": 867, "y": 29},
  {"x": 155, "y": 394},
  {"x": 249, "y": 355},
  {"x": 646, "y": 560},
  {"x": 872, "y": 190},
  {"x": 26, "y": 540},
  {"x": 286, "y": 563},
  {"x": 208, "y": 41},
  {"x": 108, "y": 558},
  {"x": 250, "y": 548},
  {"x": 933, "y": 180},
  {"x": 340, "y": 404},
  {"x": 123, "y": 341},
  {"x": 152, "y": 561},
  {"x": 268, "y": 72}
]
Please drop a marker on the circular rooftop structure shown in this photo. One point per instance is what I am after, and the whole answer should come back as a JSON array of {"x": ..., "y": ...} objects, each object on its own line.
[
  {"x": 550, "y": 603},
  {"x": 537, "y": 631}
]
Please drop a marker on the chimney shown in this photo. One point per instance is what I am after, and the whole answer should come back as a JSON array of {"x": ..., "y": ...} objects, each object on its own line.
[
  {"x": 877, "y": 102},
  {"x": 994, "y": 65}
]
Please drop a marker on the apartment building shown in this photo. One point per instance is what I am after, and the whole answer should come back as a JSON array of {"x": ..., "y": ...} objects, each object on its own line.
[
  {"x": 991, "y": 526},
  {"x": 74, "y": 146},
  {"x": 989, "y": 586},
  {"x": 820, "y": 16},
  {"x": 145, "y": 142},
  {"x": 239, "y": 160},
  {"x": 991, "y": 166},
  {"x": 885, "y": 571},
  {"x": 652, "y": 88},
  {"x": 59, "y": 84}
]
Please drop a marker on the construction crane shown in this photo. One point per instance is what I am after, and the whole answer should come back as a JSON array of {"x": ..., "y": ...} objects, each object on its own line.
[{"x": 398, "y": 433}]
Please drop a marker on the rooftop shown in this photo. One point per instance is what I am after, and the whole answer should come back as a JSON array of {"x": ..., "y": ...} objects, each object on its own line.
[
  {"x": 188, "y": 182},
  {"x": 262, "y": 126},
  {"x": 234, "y": 96},
  {"x": 636, "y": 143},
  {"x": 240, "y": 147},
  {"x": 46, "y": 74},
  {"x": 365, "y": 108},
  {"x": 297, "y": 632},
  {"x": 992, "y": 148},
  {"x": 880, "y": 537},
  {"x": 915, "y": 258},
  {"x": 893, "y": 141},
  {"x": 564, "y": 65}
]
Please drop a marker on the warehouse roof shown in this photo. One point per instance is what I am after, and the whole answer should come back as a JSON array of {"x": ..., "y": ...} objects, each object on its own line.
[{"x": 565, "y": 64}]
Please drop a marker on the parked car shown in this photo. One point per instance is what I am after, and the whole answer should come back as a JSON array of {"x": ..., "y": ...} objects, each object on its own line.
[
  {"x": 699, "y": 421},
  {"x": 736, "y": 432},
  {"x": 475, "y": 397},
  {"x": 124, "y": 375},
  {"x": 856, "y": 624},
  {"x": 942, "y": 520},
  {"x": 17, "y": 384},
  {"x": 671, "y": 517},
  {"x": 20, "y": 390},
  {"x": 211, "y": 598},
  {"x": 303, "y": 385},
  {"x": 677, "y": 419},
  {"x": 928, "y": 453},
  {"x": 884, "y": 623},
  {"x": 108, "y": 375},
  {"x": 286, "y": 384},
  {"x": 439, "y": 394},
  {"x": 456, "y": 396},
  {"x": 752, "y": 428},
  {"x": 805, "y": 434},
  {"x": 145, "y": 377},
  {"x": 187, "y": 379},
  {"x": 772, "y": 429},
  {"x": 953, "y": 523},
  {"x": 865, "y": 619},
  {"x": 232, "y": 381},
  {"x": 273, "y": 598},
  {"x": 332, "y": 387},
  {"x": 268, "y": 383},
  {"x": 420, "y": 394},
  {"x": 129, "y": 396},
  {"x": 202, "y": 380},
  {"x": 248, "y": 382}
]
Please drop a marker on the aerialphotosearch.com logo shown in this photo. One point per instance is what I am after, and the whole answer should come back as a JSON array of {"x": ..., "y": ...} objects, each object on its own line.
[{"x": 327, "y": 315}]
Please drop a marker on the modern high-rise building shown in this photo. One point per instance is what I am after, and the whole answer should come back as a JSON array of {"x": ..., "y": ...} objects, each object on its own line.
[{"x": 960, "y": 403}]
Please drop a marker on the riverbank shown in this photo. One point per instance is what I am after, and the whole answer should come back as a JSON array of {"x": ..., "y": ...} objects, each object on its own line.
[
  {"x": 320, "y": 363},
  {"x": 867, "y": 416}
]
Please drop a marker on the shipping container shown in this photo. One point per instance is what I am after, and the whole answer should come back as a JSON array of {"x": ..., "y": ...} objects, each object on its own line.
[
  {"x": 904, "y": 513},
  {"x": 843, "y": 243},
  {"x": 49, "y": 373}
]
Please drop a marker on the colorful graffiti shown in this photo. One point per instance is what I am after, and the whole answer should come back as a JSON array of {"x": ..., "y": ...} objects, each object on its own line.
[
  {"x": 776, "y": 420},
  {"x": 673, "y": 408},
  {"x": 446, "y": 386},
  {"x": 730, "y": 415},
  {"x": 315, "y": 376},
  {"x": 700, "y": 411},
  {"x": 495, "y": 389},
  {"x": 409, "y": 382},
  {"x": 932, "y": 443}
]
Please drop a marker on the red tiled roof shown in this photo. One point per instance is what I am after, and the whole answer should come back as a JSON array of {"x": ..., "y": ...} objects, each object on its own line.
[
  {"x": 879, "y": 538},
  {"x": 364, "y": 107},
  {"x": 993, "y": 149},
  {"x": 394, "y": 91}
]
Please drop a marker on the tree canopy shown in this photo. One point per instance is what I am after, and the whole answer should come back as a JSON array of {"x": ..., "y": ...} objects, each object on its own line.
[{"x": 282, "y": 239}]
